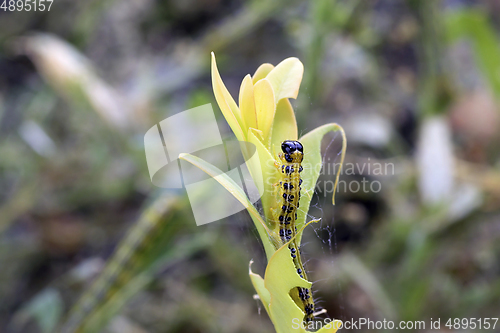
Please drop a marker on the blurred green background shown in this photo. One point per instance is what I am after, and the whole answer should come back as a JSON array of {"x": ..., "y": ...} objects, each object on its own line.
[{"x": 414, "y": 83}]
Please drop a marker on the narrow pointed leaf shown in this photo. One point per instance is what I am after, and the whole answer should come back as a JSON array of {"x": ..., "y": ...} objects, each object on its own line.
[
  {"x": 254, "y": 165},
  {"x": 269, "y": 173},
  {"x": 226, "y": 103},
  {"x": 258, "y": 284}
]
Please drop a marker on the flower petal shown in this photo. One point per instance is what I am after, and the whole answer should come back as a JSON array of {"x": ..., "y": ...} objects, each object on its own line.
[
  {"x": 226, "y": 103},
  {"x": 261, "y": 72},
  {"x": 285, "y": 78},
  {"x": 285, "y": 125},
  {"x": 265, "y": 108},
  {"x": 247, "y": 103}
]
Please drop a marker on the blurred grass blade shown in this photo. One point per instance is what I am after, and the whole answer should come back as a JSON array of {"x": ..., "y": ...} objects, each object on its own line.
[
  {"x": 474, "y": 25},
  {"x": 37, "y": 138},
  {"x": 20, "y": 201},
  {"x": 147, "y": 247},
  {"x": 99, "y": 319},
  {"x": 72, "y": 75},
  {"x": 362, "y": 275},
  {"x": 235, "y": 27}
]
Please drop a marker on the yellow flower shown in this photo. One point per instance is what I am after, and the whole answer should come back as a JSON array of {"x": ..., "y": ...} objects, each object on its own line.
[
  {"x": 264, "y": 109},
  {"x": 264, "y": 117}
]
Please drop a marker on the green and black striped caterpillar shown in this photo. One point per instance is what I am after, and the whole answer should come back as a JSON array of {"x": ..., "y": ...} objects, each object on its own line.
[{"x": 289, "y": 192}]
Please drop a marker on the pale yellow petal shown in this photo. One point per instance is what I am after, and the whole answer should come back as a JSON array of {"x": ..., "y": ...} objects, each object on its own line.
[
  {"x": 226, "y": 103},
  {"x": 247, "y": 103},
  {"x": 262, "y": 72},
  {"x": 265, "y": 108},
  {"x": 285, "y": 78},
  {"x": 285, "y": 125}
]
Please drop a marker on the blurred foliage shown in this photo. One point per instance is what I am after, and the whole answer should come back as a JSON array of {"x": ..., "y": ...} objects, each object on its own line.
[{"x": 414, "y": 84}]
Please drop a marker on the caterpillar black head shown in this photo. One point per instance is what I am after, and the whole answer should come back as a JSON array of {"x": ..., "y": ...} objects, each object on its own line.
[{"x": 293, "y": 151}]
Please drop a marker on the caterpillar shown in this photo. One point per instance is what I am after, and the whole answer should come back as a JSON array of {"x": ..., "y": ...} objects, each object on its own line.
[{"x": 289, "y": 191}]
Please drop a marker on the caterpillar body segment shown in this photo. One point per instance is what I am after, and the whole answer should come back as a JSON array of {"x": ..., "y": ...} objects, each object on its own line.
[{"x": 289, "y": 164}]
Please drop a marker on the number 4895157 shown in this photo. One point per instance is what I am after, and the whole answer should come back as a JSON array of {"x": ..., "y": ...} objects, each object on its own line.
[
  {"x": 26, "y": 5},
  {"x": 471, "y": 323}
]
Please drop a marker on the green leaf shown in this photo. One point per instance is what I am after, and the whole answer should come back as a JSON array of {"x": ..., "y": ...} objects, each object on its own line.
[
  {"x": 265, "y": 234},
  {"x": 475, "y": 26},
  {"x": 274, "y": 291},
  {"x": 285, "y": 78},
  {"x": 352, "y": 266},
  {"x": 269, "y": 174},
  {"x": 312, "y": 166},
  {"x": 280, "y": 278},
  {"x": 258, "y": 284}
]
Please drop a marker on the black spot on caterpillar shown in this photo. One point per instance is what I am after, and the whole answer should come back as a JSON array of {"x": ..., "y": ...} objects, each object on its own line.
[{"x": 291, "y": 159}]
